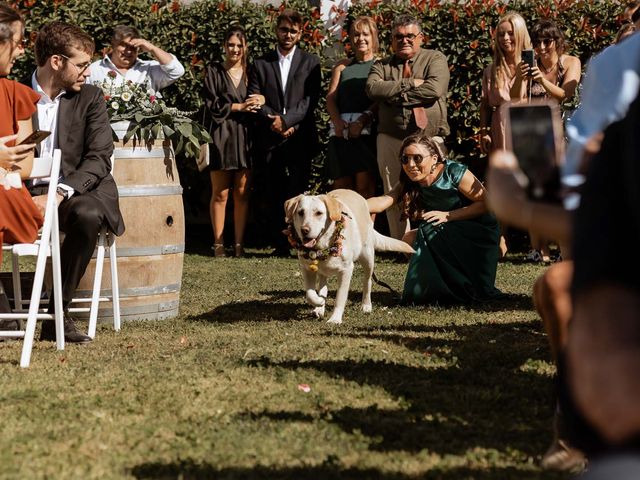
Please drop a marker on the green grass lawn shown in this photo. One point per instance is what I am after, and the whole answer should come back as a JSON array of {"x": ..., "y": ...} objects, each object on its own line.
[{"x": 402, "y": 393}]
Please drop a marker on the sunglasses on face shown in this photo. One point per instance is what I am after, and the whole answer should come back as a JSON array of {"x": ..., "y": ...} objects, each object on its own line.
[
  {"x": 544, "y": 42},
  {"x": 416, "y": 157},
  {"x": 398, "y": 37}
]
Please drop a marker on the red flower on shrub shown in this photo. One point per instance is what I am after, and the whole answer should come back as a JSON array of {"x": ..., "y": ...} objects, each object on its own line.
[
  {"x": 315, "y": 13},
  {"x": 473, "y": 45},
  {"x": 155, "y": 7},
  {"x": 222, "y": 6},
  {"x": 454, "y": 15},
  {"x": 374, "y": 3},
  {"x": 175, "y": 6}
]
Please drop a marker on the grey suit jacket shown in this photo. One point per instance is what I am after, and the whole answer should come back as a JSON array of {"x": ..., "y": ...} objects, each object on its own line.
[{"x": 84, "y": 137}]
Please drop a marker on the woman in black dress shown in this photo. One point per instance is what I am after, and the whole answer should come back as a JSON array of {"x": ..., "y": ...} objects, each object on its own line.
[{"x": 226, "y": 112}]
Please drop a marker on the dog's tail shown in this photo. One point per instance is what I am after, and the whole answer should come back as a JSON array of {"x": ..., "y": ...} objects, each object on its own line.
[{"x": 388, "y": 244}]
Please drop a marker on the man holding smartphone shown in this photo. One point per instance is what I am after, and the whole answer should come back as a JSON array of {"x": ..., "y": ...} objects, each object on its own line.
[
  {"x": 76, "y": 115},
  {"x": 411, "y": 89}
]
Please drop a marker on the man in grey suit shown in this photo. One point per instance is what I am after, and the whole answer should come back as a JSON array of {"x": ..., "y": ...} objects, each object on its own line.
[{"x": 76, "y": 115}]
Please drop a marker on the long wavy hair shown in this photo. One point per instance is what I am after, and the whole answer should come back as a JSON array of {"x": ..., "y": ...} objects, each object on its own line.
[
  {"x": 409, "y": 201},
  {"x": 522, "y": 42}
]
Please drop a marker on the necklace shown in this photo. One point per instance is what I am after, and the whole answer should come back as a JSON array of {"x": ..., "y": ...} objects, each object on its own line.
[{"x": 547, "y": 72}]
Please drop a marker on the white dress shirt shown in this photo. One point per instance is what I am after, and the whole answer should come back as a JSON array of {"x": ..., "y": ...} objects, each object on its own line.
[
  {"x": 149, "y": 72},
  {"x": 285, "y": 65},
  {"x": 610, "y": 86},
  {"x": 48, "y": 121}
]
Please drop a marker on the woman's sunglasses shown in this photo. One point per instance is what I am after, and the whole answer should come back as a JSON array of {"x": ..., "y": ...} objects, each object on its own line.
[
  {"x": 545, "y": 42},
  {"x": 417, "y": 158}
]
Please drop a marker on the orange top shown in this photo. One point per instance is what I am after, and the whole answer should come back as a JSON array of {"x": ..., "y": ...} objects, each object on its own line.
[{"x": 17, "y": 102}]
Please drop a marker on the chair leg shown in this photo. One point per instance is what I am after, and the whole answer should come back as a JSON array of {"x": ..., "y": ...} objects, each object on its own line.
[
  {"x": 115, "y": 286},
  {"x": 57, "y": 283},
  {"x": 97, "y": 284},
  {"x": 17, "y": 287}
]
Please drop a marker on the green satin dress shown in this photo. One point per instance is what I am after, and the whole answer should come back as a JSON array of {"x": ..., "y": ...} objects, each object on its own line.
[{"x": 455, "y": 262}]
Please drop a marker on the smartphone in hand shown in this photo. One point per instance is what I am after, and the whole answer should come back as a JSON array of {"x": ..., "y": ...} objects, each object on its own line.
[
  {"x": 535, "y": 138},
  {"x": 528, "y": 57},
  {"x": 36, "y": 137}
]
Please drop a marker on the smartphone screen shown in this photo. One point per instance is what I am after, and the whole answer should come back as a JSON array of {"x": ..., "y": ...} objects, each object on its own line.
[
  {"x": 528, "y": 57},
  {"x": 535, "y": 138},
  {"x": 36, "y": 137}
]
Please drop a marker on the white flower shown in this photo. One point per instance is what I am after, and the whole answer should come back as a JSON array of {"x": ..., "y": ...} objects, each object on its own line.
[
  {"x": 115, "y": 105},
  {"x": 126, "y": 96}
]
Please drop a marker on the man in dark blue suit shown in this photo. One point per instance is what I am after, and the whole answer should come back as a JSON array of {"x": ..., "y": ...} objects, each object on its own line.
[{"x": 285, "y": 139}]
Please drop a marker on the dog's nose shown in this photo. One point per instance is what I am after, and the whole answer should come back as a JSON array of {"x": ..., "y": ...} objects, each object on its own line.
[{"x": 305, "y": 230}]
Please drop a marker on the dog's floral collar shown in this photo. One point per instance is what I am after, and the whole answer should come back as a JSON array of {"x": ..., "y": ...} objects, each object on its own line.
[{"x": 333, "y": 250}]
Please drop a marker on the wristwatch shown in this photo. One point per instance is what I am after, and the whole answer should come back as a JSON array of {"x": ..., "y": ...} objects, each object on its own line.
[{"x": 63, "y": 193}]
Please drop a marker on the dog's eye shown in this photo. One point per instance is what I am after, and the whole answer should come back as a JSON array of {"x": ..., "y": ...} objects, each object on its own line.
[
  {"x": 318, "y": 213},
  {"x": 300, "y": 212}
]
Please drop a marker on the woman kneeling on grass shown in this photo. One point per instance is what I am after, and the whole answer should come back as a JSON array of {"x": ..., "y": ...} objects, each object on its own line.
[{"x": 456, "y": 239}]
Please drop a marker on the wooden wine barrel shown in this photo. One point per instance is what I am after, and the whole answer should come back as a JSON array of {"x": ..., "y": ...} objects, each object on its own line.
[{"x": 151, "y": 251}]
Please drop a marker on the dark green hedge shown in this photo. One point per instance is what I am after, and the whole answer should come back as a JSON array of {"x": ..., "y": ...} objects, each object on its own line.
[{"x": 460, "y": 29}]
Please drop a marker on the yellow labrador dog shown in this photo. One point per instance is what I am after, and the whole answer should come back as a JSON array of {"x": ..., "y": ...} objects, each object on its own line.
[{"x": 330, "y": 233}]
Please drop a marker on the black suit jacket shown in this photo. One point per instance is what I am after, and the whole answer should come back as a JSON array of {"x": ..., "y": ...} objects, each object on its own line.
[
  {"x": 83, "y": 135},
  {"x": 299, "y": 100}
]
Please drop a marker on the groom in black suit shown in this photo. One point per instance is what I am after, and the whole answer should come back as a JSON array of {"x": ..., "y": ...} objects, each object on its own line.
[
  {"x": 286, "y": 139},
  {"x": 76, "y": 115}
]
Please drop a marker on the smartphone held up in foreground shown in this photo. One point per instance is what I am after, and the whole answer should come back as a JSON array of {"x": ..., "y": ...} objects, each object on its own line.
[{"x": 535, "y": 138}]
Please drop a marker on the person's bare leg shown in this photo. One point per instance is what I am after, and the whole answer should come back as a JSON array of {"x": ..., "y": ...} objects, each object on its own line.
[
  {"x": 365, "y": 184},
  {"x": 241, "y": 193},
  {"x": 342, "y": 182},
  {"x": 552, "y": 299},
  {"x": 220, "y": 183}
]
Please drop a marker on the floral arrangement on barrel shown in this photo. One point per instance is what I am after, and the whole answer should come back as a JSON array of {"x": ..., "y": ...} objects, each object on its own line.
[{"x": 150, "y": 118}]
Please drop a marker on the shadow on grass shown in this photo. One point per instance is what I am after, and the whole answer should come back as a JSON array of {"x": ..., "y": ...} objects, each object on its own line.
[
  {"x": 470, "y": 392},
  {"x": 253, "y": 311},
  {"x": 189, "y": 470}
]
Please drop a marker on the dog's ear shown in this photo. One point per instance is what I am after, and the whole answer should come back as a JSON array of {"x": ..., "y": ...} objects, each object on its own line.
[
  {"x": 333, "y": 207},
  {"x": 290, "y": 208}
]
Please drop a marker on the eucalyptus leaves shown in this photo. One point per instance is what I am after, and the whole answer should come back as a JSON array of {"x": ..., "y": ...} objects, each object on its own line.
[{"x": 150, "y": 118}]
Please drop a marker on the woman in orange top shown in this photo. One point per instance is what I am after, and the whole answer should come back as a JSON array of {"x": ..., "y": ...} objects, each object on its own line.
[{"x": 20, "y": 219}]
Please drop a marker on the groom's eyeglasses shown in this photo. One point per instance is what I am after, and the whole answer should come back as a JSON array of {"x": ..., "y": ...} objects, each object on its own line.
[
  {"x": 80, "y": 67},
  {"x": 417, "y": 158}
]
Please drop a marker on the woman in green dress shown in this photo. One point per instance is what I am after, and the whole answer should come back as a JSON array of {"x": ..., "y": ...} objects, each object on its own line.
[
  {"x": 456, "y": 239},
  {"x": 351, "y": 159}
]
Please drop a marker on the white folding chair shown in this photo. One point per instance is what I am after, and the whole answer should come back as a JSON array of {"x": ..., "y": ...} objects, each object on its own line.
[
  {"x": 106, "y": 239},
  {"x": 47, "y": 245}
]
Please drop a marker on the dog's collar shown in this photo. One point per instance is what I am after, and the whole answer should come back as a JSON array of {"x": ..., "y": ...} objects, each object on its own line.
[{"x": 333, "y": 250}]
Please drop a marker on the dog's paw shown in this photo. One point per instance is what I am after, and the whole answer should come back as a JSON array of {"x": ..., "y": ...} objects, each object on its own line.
[
  {"x": 366, "y": 307},
  {"x": 314, "y": 299},
  {"x": 335, "y": 320},
  {"x": 319, "y": 312}
]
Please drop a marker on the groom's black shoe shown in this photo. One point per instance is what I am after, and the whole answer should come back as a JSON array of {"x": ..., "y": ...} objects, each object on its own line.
[{"x": 71, "y": 332}]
